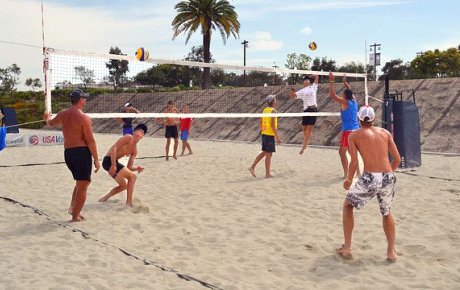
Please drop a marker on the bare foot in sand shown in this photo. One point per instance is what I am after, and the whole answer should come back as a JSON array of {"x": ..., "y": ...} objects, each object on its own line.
[
  {"x": 167, "y": 158},
  {"x": 78, "y": 219},
  {"x": 391, "y": 256},
  {"x": 175, "y": 157},
  {"x": 269, "y": 176},
  {"x": 251, "y": 170},
  {"x": 302, "y": 150},
  {"x": 344, "y": 252},
  {"x": 103, "y": 199},
  {"x": 80, "y": 216}
]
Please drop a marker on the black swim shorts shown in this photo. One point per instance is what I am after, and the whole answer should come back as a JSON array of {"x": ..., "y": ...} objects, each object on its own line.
[
  {"x": 79, "y": 162},
  {"x": 171, "y": 132},
  {"x": 309, "y": 120},
  {"x": 107, "y": 162}
]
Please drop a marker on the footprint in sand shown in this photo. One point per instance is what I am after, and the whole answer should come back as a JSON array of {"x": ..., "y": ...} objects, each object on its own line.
[{"x": 138, "y": 207}]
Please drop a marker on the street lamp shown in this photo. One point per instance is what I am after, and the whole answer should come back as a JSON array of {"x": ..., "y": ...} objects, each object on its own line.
[
  {"x": 245, "y": 45},
  {"x": 375, "y": 56},
  {"x": 274, "y": 66}
]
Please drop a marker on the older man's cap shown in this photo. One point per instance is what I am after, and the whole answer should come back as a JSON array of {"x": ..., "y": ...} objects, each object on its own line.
[
  {"x": 128, "y": 105},
  {"x": 77, "y": 94}
]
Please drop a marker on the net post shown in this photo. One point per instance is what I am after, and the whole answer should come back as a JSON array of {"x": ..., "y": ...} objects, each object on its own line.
[
  {"x": 366, "y": 91},
  {"x": 47, "y": 80}
]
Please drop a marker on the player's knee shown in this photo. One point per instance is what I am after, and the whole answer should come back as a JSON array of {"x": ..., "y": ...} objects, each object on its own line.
[{"x": 132, "y": 177}]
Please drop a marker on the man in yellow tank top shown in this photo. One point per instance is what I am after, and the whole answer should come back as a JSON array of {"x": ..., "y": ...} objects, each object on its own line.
[{"x": 269, "y": 131}]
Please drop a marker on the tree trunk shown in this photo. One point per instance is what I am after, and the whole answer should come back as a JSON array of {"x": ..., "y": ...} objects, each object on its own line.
[{"x": 206, "y": 82}]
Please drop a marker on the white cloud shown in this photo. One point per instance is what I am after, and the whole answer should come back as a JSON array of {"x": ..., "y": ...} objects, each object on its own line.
[
  {"x": 306, "y": 30},
  {"x": 263, "y": 41},
  {"x": 322, "y": 5}
]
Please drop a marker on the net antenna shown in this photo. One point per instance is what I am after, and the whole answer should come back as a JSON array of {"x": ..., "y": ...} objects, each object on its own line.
[{"x": 116, "y": 79}]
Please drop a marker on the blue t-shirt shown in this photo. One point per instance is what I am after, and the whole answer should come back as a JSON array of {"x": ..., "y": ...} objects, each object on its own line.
[{"x": 350, "y": 116}]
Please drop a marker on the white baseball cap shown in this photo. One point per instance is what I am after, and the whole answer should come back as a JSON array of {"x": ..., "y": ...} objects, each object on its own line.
[
  {"x": 128, "y": 105},
  {"x": 366, "y": 114},
  {"x": 270, "y": 98}
]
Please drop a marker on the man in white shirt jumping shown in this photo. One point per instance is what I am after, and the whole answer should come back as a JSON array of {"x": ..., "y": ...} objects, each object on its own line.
[{"x": 308, "y": 96}]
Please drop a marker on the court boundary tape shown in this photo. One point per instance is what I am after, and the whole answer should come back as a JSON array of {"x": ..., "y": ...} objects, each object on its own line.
[{"x": 88, "y": 236}]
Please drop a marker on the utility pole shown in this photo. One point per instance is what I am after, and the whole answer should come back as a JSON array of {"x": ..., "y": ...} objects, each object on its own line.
[
  {"x": 245, "y": 45},
  {"x": 274, "y": 73},
  {"x": 374, "y": 50}
]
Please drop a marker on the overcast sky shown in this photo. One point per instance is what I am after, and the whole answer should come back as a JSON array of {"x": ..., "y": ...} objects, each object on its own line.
[{"x": 273, "y": 28}]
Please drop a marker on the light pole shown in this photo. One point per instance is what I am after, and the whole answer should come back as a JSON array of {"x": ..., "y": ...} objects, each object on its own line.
[
  {"x": 274, "y": 73},
  {"x": 245, "y": 45},
  {"x": 374, "y": 50}
]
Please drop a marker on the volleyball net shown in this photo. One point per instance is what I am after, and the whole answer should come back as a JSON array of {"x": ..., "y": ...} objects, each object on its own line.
[{"x": 231, "y": 91}]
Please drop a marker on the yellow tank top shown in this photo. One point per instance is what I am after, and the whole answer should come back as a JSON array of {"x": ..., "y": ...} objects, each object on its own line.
[{"x": 267, "y": 122}]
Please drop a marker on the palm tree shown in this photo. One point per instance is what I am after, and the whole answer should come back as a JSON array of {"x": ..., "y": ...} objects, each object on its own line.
[{"x": 208, "y": 14}]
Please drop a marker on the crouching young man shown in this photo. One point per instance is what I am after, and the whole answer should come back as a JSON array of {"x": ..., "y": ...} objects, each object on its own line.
[{"x": 124, "y": 176}]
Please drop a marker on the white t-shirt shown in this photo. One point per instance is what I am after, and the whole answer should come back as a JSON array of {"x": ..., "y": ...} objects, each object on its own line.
[{"x": 308, "y": 95}]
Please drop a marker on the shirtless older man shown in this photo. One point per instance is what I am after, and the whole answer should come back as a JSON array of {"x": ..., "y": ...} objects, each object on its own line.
[
  {"x": 124, "y": 176},
  {"x": 80, "y": 145},
  {"x": 378, "y": 178},
  {"x": 171, "y": 129}
]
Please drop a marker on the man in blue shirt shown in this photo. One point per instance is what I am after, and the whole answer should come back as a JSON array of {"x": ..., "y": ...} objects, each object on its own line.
[{"x": 349, "y": 116}]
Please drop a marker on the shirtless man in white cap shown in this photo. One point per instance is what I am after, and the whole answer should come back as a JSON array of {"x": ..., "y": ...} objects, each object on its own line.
[{"x": 378, "y": 179}]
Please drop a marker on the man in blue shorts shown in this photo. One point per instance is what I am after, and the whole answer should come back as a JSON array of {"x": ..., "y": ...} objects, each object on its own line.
[{"x": 128, "y": 122}]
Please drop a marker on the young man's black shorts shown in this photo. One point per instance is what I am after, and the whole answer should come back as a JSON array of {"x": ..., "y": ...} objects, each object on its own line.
[
  {"x": 107, "y": 163},
  {"x": 309, "y": 120}
]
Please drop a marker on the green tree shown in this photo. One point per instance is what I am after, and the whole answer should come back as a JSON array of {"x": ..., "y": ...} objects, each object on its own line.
[
  {"x": 352, "y": 67},
  {"x": 194, "y": 73},
  {"x": 34, "y": 83},
  {"x": 85, "y": 75},
  {"x": 9, "y": 78},
  {"x": 165, "y": 75},
  {"x": 117, "y": 69},
  {"x": 197, "y": 55},
  {"x": 300, "y": 62},
  {"x": 395, "y": 69},
  {"x": 323, "y": 64},
  {"x": 207, "y": 15},
  {"x": 432, "y": 64},
  {"x": 218, "y": 77}
]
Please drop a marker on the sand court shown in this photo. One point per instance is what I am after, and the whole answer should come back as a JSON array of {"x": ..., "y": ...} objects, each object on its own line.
[{"x": 202, "y": 222}]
